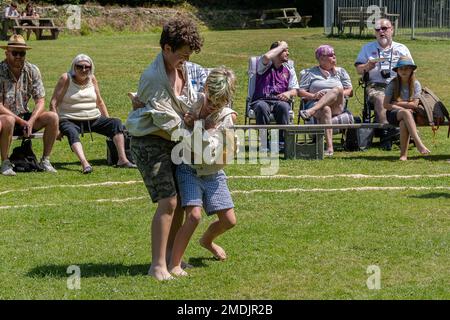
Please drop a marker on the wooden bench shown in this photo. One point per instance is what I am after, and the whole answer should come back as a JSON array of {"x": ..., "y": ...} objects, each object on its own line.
[
  {"x": 359, "y": 16},
  {"x": 40, "y": 25},
  {"x": 36, "y": 135},
  {"x": 282, "y": 16}
]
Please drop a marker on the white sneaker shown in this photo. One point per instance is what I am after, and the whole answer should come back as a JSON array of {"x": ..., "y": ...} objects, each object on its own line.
[
  {"x": 7, "y": 168},
  {"x": 45, "y": 163}
]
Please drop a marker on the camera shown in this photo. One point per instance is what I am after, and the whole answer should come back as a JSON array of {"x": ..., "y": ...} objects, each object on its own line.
[{"x": 385, "y": 73}]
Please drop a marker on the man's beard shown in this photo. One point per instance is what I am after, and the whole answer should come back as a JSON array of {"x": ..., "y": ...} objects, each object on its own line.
[{"x": 384, "y": 42}]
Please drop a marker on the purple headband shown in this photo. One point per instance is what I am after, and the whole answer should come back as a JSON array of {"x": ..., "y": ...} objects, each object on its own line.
[{"x": 324, "y": 50}]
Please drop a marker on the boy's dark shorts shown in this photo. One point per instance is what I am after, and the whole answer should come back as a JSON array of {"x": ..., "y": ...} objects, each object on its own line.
[{"x": 153, "y": 159}]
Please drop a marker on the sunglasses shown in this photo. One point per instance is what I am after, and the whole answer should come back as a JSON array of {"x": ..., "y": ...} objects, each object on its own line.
[
  {"x": 329, "y": 55},
  {"x": 384, "y": 29},
  {"x": 18, "y": 53},
  {"x": 83, "y": 67}
]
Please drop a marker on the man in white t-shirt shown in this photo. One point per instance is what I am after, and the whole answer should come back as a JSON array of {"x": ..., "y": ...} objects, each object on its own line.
[{"x": 377, "y": 58}]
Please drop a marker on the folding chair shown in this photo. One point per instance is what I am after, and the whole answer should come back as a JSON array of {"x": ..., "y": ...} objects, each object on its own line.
[
  {"x": 346, "y": 117},
  {"x": 249, "y": 112}
]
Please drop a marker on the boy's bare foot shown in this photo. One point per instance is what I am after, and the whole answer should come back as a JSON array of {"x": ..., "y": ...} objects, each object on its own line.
[
  {"x": 178, "y": 271},
  {"x": 159, "y": 274},
  {"x": 403, "y": 158},
  {"x": 217, "y": 251}
]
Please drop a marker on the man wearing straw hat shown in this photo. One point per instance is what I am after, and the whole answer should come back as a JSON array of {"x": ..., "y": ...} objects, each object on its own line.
[{"x": 19, "y": 82}]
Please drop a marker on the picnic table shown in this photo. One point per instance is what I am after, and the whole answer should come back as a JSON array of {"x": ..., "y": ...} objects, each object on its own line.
[
  {"x": 38, "y": 27},
  {"x": 281, "y": 16},
  {"x": 359, "y": 16}
]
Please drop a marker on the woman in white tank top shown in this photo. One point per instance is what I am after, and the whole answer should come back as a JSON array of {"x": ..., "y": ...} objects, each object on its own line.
[{"x": 80, "y": 107}]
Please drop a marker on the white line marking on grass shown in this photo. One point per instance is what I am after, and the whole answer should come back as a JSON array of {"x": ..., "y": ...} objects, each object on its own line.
[
  {"x": 73, "y": 202},
  {"x": 107, "y": 183},
  {"x": 352, "y": 176},
  {"x": 340, "y": 189},
  {"x": 240, "y": 192}
]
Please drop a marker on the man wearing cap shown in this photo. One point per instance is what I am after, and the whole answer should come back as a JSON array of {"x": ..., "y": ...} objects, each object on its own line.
[
  {"x": 20, "y": 81},
  {"x": 377, "y": 59},
  {"x": 276, "y": 83}
]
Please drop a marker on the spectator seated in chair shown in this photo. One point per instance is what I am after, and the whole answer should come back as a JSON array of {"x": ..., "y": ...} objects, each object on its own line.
[
  {"x": 325, "y": 87},
  {"x": 22, "y": 81},
  {"x": 378, "y": 58},
  {"x": 276, "y": 84},
  {"x": 79, "y": 105},
  {"x": 401, "y": 100}
]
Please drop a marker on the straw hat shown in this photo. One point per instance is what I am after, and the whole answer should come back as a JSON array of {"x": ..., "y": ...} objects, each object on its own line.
[{"x": 16, "y": 41}]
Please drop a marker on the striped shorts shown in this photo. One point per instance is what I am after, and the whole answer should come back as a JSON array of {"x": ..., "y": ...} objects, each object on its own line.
[{"x": 210, "y": 192}]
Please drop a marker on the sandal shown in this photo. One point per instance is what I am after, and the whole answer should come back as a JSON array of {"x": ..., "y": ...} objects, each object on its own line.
[
  {"x": 87, "y": 170},
  {"x": 304, "y": 115},
  {"x": 126, "y": 165}
]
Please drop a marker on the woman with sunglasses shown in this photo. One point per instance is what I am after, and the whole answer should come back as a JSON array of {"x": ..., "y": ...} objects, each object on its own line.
[
  {"x": 80, "y": 107},
  {"x": 324, "y": 88}
]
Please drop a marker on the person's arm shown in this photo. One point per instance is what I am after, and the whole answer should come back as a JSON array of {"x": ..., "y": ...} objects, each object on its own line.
[
  {"x": 59, "y": 92},
  {"x": 269, "y": 55},
  {"x": 100, "y": 103},
  {"x": 365, "y": 67},
  {"x": 288, "y": 95},
  {"x": 408, "y": 104}
]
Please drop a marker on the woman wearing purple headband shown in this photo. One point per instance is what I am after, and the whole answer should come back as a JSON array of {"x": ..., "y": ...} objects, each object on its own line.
[{"x": 324, "y": 87}]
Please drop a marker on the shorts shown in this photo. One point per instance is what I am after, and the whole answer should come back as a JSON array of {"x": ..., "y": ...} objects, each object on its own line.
[
  {"x": 18, "y": 129},
  {"x": 391, "y": 116},
  {"x": 108, "y": 127},
  {"x": 375, "y": 90},
  {"x": 210, "y": 192},
  {"x": 153, "y": 159}
]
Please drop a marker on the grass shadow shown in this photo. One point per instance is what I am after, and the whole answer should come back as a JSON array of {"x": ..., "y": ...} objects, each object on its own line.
[
  {"x": 63, "y": 165},
  {"x": 200, "y": 261},
  {"x": 432, "y": 195},
  {"x": 89, "y": 270}
]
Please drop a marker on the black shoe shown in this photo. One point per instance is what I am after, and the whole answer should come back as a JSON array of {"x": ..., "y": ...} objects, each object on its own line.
[{"x": 386, "y": 144}]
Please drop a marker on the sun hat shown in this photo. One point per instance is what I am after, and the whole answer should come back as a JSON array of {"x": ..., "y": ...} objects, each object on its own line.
[
  {"x": 324, "y": 50},
  {"x": 16, "y": 41},
  {"x": 403, "y": 62}
]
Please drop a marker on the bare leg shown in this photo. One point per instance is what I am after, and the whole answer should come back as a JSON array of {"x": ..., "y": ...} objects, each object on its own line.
[
  {"x": 6, "y": 132},
  {"x": 193, "y": 217},
  {"x": 49, "y": 121},
  {"x": 404, "y": 141},
  {"x": 324, "y": 117},
  {"x": 77, "y": 148},
  {"x": 333, "y": 98},
  {"x": 119, "y": 142},
  {"x": 380, "y": 111},
  {"x": 177, "y": 222},
  {"x": 408, "y": 118},
  {"x": 226, "y": 221},
  {"x": 160, "y": 232}
]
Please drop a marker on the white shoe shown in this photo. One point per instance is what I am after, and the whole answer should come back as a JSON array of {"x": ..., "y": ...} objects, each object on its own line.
[
  {"x": 7, "y": 168},
  {"x": 47, "y": 166}
]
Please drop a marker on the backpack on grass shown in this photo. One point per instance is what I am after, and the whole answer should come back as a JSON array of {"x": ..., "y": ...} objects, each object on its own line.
[{"x": 24, "y": 159}]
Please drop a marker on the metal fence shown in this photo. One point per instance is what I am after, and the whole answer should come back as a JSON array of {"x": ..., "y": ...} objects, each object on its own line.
[{"x": 416, "y": 18}]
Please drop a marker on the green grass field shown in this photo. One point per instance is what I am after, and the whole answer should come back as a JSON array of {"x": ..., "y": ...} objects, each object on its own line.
[{"x": 310, "y": 232}]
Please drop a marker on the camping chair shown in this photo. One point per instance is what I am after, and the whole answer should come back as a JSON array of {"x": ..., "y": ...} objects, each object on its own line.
[
  {"x": 346, "y": 117},
  {"x": 249, "y": 112}
]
